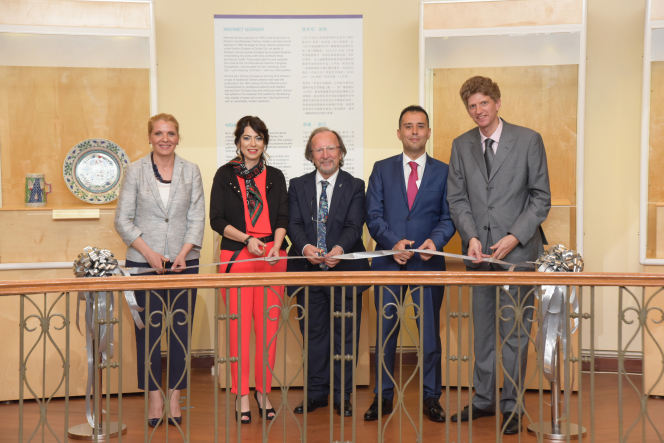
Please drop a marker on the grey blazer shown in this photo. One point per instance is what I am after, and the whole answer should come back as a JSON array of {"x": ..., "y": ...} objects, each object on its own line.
[
  {"x": 141, "y": 213},
  {"x": 515, "y": 199}
]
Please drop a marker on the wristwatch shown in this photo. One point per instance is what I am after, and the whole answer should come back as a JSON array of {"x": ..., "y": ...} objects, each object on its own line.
[{"x": 246, "y": 240}]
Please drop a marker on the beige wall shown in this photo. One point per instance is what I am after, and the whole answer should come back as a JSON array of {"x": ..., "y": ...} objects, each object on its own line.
[
  {"x": 612, "y": 151},
  {"x": 613, "y": 109}
]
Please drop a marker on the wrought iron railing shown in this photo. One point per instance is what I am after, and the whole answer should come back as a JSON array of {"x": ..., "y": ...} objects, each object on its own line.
[{"x": 45, "y": 324}]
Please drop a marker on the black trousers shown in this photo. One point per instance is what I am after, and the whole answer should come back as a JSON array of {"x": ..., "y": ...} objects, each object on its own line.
[
  {"x": 177, "y": 304},
  {"x": 318, "y": 376}
]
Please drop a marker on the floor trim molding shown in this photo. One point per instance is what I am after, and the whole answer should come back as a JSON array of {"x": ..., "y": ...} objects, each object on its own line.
[
  {"x": 633, "y": 365},
  {"x": 610, "y": 364}
]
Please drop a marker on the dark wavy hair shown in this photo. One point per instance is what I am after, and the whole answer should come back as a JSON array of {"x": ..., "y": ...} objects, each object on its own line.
[{"x": 258, "y": 126}]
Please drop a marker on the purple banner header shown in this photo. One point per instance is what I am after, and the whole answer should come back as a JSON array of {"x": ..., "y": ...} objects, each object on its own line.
[{"x": 287, "y": 16}]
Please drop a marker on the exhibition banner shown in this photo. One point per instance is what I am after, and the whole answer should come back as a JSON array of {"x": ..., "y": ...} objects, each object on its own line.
[{"x": 295, "y": 72}]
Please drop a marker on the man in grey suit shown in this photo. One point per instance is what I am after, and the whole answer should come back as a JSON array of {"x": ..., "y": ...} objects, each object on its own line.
[{"x": 498, "y": 193}]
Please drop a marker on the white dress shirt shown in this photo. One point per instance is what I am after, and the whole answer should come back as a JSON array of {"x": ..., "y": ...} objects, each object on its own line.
[
  {"x": 495, "y": 136},
  {"x": 330, "y": 187},
  {"x": 421, "y": 162},
  {"x": 328, "y": 191}
]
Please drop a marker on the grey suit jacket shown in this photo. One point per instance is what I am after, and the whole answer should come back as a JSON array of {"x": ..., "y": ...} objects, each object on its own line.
[
  {"x": 141, "y": 213},
  {"x": 515, "y": 199}
]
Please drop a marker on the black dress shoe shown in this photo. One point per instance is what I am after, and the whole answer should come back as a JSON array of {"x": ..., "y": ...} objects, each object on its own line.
[
  {"x": 174, "y": 420},
  {"x": 512, "y": 427},
  {"x": 312, "y": 405},
  {"x": 153, "y": 422},
  {"x": 348, "y": 408},
  {"x": 372, "y": 412},
  {"x": 477, "y": 413},
  {"x": 434, "y": 410}
]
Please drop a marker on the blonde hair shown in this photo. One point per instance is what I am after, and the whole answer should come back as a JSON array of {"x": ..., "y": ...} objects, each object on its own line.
[{"x": 163, "y": 117}]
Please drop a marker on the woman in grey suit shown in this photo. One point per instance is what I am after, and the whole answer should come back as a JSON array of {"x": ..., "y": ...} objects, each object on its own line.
[{"x": 161, "y": 217}]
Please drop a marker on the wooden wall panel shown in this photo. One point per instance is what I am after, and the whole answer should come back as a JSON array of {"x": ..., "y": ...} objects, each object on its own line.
[
  {"x": 656, "y": 159},
  {"x": 36, "y": 237},
  {"x": 658, "y": 231},
  {"x": 560, "y": 225},
  {"x": 10, "y": 333},
  {"x": 45, "y": 111},
  {"x": 75, "y": 13},
  {"x": 503, "y": 13},
  {"x": 543, "y": 98}
]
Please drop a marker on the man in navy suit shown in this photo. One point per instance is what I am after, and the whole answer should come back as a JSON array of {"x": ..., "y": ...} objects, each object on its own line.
[
  {"x": 407, "y": 208},
  {"x": 326, "y": 219}
]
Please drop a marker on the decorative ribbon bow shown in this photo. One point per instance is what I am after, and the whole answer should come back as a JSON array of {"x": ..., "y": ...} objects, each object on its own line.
[
  {"x": 95, "y": 262},
  {"x": 554, "y": 308}
]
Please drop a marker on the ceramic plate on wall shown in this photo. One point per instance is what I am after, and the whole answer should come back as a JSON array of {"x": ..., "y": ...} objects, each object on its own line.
[{"x": 94, "y": 169}]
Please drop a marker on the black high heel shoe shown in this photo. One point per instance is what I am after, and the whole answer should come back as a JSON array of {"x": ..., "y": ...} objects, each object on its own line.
[
  {"x": 242, "y": 414},
  {"x": 154, "y": 422},
  {"x": 267, "y": 411},
  {"x": 174, "y": 420}
]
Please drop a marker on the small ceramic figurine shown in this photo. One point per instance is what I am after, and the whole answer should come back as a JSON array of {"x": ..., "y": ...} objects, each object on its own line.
[{"x": 35, "y": 190}]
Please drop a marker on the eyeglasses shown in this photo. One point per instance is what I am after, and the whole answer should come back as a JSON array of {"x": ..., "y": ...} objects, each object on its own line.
[{"x": 329, "y": 149}]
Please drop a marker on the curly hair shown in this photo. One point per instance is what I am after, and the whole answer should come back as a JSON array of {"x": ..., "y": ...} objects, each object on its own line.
[{"x": 483, "y": 85}]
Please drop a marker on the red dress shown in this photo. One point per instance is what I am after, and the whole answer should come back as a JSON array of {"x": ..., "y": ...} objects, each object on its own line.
[{"x": 253, "y": 300}]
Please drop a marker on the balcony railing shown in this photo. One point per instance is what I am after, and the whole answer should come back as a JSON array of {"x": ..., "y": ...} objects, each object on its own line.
[{"x": 47, "y": 308}]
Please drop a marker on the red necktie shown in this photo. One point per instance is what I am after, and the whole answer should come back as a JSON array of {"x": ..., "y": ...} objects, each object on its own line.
[{"x": 412, "y": 184}]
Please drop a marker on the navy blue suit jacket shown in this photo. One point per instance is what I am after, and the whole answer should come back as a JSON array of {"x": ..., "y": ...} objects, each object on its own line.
[
  {"x": 344, "y": 223},
  {"x": 389, "y": 220}
]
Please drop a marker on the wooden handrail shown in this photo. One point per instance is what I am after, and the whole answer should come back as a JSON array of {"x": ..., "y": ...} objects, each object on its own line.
[{"x": 15, "y": 287}]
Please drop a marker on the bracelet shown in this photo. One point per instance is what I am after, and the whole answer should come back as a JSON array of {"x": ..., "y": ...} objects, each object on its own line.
[{"x": 246, "y": 240}]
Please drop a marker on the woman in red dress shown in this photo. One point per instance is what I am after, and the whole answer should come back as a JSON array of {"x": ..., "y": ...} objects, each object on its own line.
[{"x": 249, "y": 208}]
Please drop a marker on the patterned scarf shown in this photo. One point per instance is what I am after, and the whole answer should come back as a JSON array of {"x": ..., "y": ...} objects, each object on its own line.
[{"x": 254, "y": 199}]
